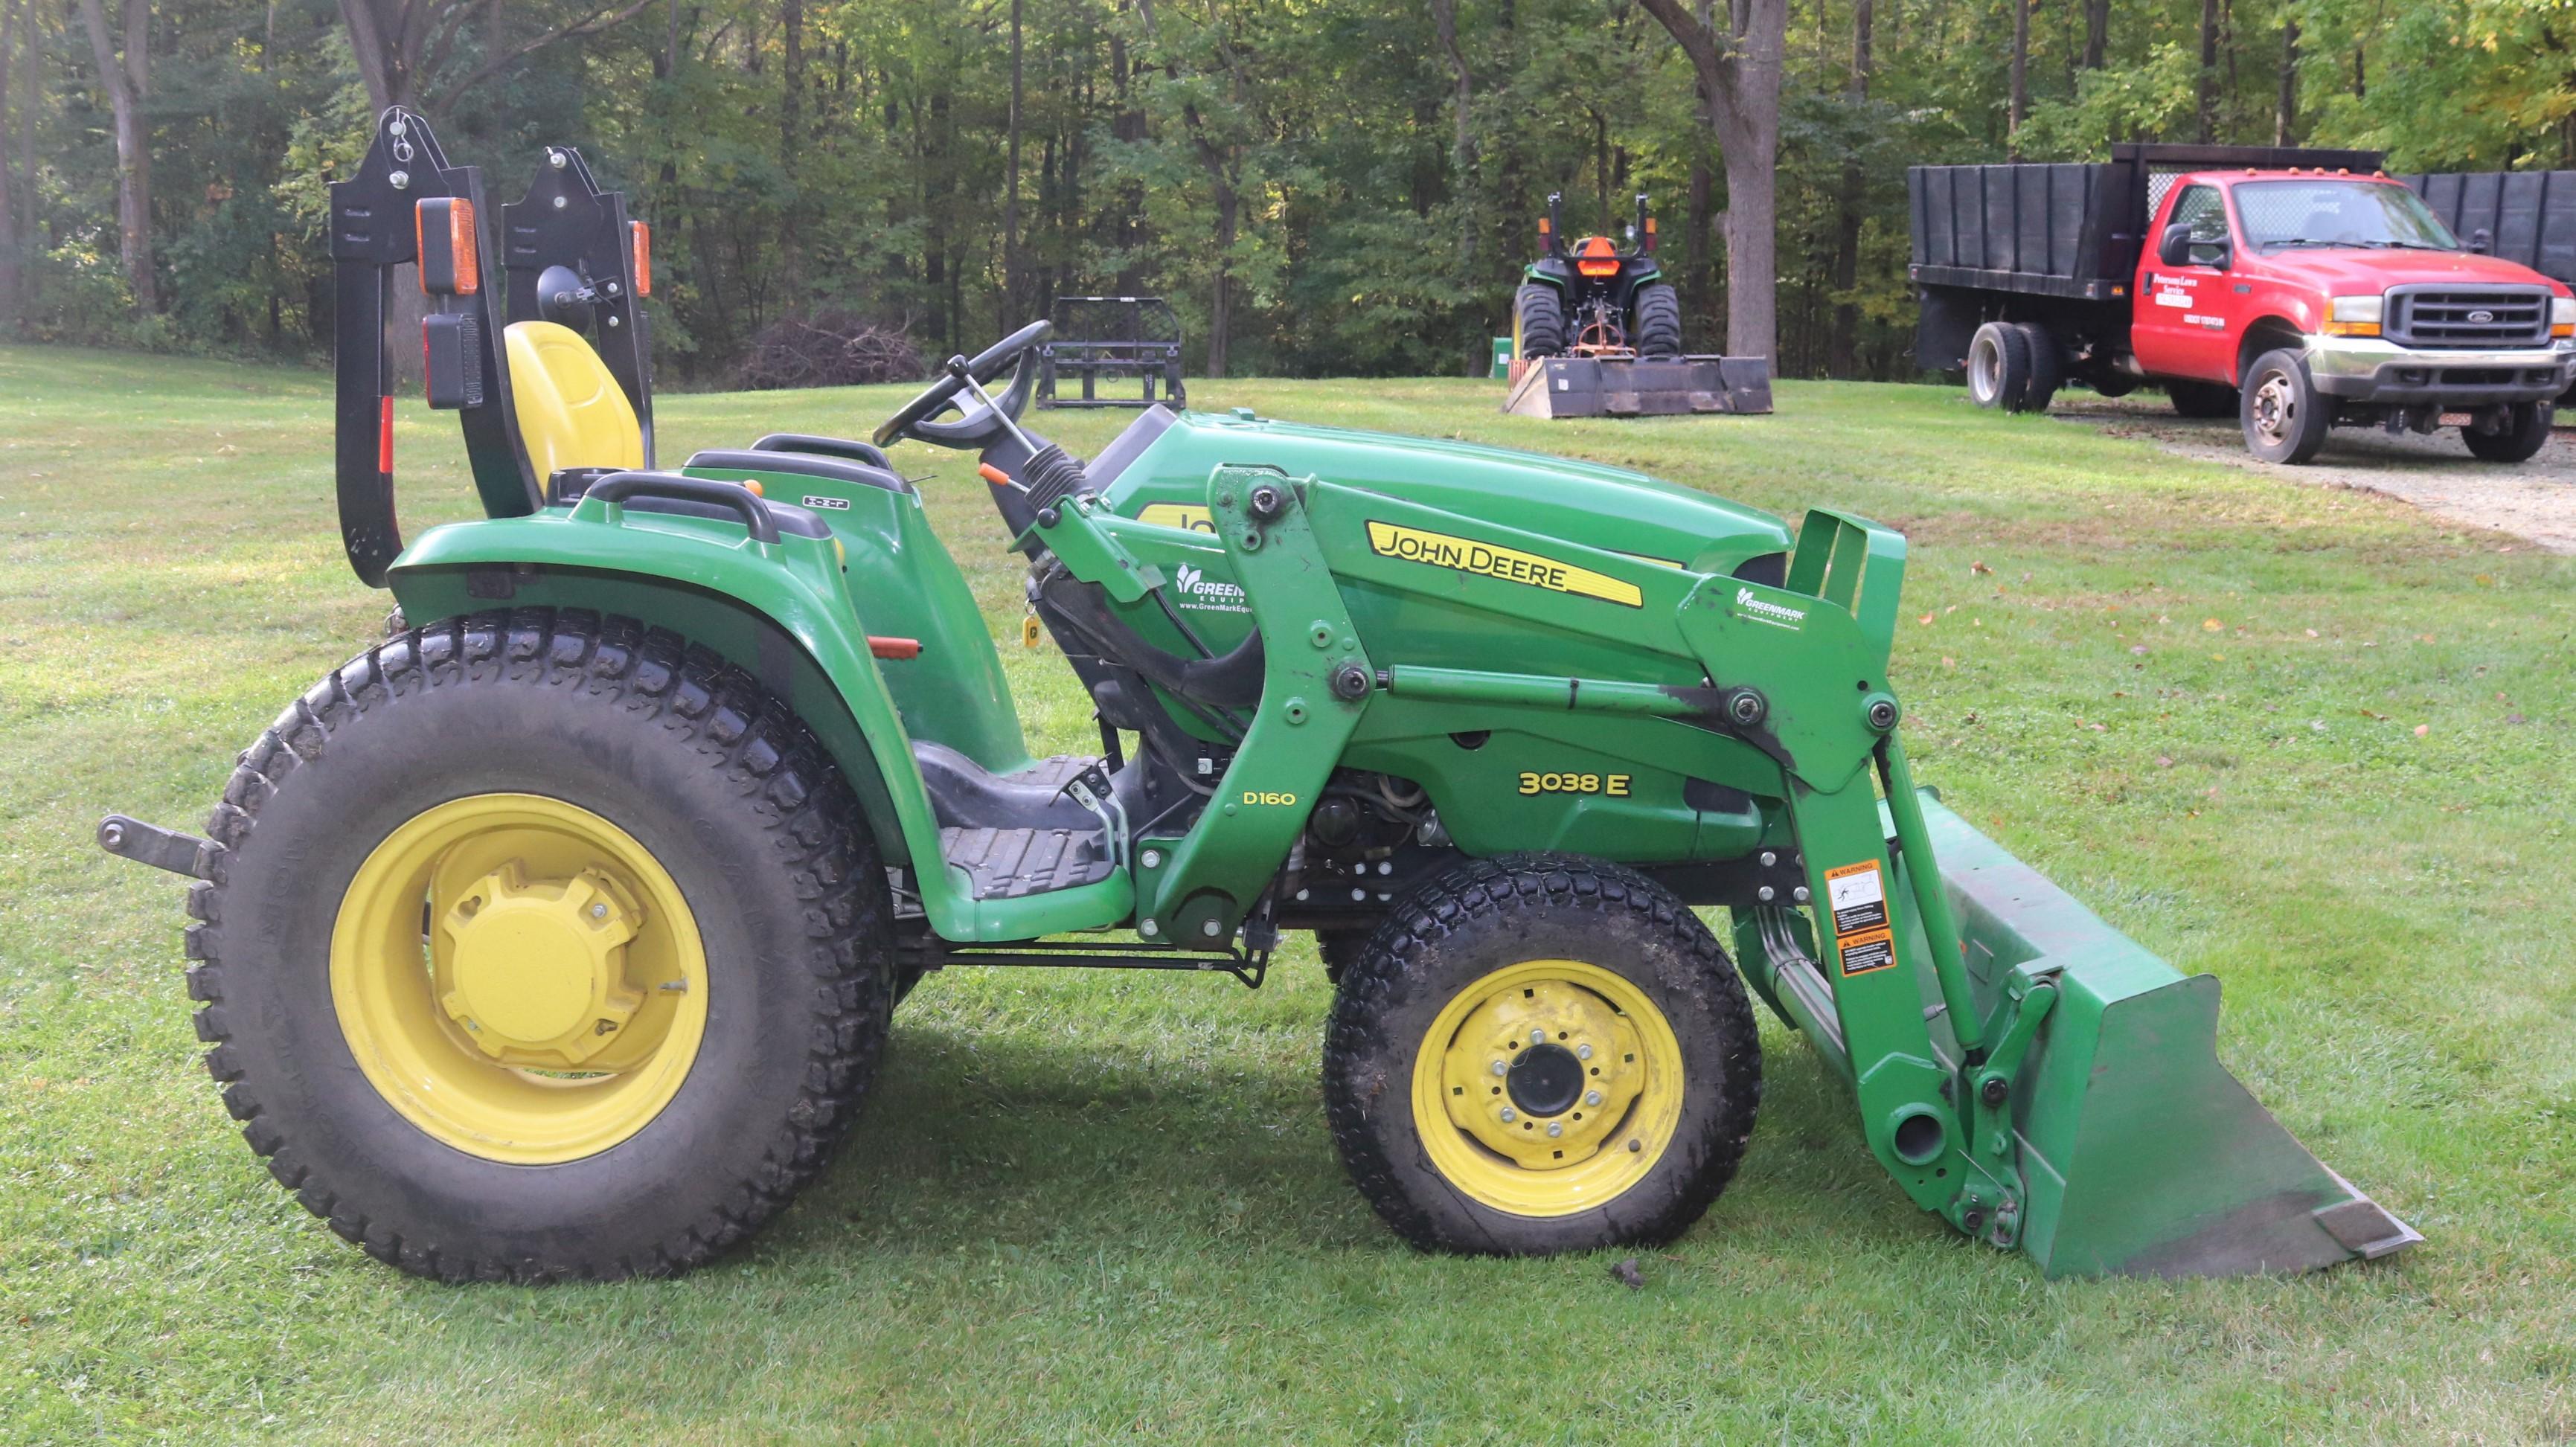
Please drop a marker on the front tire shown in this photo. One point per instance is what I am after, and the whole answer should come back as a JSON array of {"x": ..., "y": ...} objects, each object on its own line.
[
  {"x": 544, "y": 947},
  {"x": 1617, "y": 1123},
  {"x": 2525, "y": 432},
  {"x": 1538, "y": 322},
  {"x": 1998, "y": 366},
  {"x": 2285, "y": 417}
]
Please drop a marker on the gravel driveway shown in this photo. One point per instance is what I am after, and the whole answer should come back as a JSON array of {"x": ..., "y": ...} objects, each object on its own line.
[{"x": 2535, "y": 500}]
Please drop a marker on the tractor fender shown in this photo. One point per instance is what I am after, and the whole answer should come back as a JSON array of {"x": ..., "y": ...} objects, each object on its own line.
[{"x": 780, "y": 611}]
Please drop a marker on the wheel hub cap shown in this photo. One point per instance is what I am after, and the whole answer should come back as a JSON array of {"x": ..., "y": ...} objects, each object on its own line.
[
  {"x": 1569, "y": 1069},
  {"x": 535, "y": 970}
]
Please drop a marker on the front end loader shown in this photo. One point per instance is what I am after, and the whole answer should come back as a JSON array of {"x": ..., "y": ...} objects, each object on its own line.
[{"x": 557, "y": 934}]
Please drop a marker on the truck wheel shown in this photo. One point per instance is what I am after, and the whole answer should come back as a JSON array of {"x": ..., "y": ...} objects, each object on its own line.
[
  {"x": 2047, "y": 369},
  {"x": 2286, "y": 418},
  {"x": 544, "y": 947},
  {"x": 2525, "y": 432},
  {"x": 1998, "y": 366},
  {"x": 1659, "y": 321},
  {"x": 1541, "y": 1053},
  {"x": 1538, "y": 321},
  {"x": 2202, "y": 400}
]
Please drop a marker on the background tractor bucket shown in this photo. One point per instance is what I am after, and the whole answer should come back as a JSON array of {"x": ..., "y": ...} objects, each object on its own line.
[
  {"x": 1624, "y": 387},
  {"x": 2141, "y": 1154}
]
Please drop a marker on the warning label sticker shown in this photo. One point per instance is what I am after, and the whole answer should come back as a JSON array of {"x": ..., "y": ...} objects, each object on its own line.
[
  {"x": 1857, "y": 896},
  {"x": 1867, "y": 951}
]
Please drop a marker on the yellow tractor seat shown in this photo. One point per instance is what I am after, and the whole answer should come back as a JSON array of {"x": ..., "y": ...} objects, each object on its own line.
[{"x": 571, "y": 411}]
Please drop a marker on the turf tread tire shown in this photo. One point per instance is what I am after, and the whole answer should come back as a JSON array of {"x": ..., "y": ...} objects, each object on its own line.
[
  {"x": 647, "y": 683},
  {"x": 1540, "y": 313},
  {"x": 1659, "y": 321},
  {"x": 1498, "y": 903}
]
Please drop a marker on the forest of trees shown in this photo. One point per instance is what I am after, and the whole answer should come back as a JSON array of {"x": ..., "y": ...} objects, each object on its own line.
[{"x": 1320, "y": 186}]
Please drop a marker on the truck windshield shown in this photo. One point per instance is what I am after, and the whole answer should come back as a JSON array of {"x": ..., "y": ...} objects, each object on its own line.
[{"x": 2283, "y": 214}]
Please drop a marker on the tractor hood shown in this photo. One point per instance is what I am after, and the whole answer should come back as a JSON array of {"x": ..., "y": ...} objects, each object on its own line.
[{"x": 1603, "y": 507}]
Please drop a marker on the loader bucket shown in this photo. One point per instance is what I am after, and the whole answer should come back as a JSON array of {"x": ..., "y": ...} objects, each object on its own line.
[
  {"x": 2141, "y": 1154},
  {"x": 1638, "y": 387}
]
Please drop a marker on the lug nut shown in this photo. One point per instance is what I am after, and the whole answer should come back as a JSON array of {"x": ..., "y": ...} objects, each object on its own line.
[
  {"x": 1501, "y": 1069},
  {"x": 1592, "y": 1097},
  {"x": 1510, "y": 1115},
  {"x": 1556, "y": 1127},
  {"x": 1582, "y": 1052},
  {"x": 599, "y": 911},
  {"x": 1538, "y": 1037}
]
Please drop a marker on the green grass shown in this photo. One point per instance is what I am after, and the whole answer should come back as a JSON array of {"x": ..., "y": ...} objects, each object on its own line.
[{"x": 2303, "y": 738}]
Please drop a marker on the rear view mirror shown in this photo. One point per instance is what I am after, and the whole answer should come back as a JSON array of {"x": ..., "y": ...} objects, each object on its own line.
[
  {"x": 2480, "y": 240},
  {"x": 2174, "y": 247}
]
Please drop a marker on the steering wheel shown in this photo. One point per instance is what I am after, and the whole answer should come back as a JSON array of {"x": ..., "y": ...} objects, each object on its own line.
[{"x": 979, "y": 424}]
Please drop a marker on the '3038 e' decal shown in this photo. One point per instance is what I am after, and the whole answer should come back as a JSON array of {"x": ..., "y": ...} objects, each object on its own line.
[{"x": 1613, "y": 785}]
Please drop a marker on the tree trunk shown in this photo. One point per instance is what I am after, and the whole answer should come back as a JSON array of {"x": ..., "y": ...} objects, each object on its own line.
[
  {"x": 1011, "y": 186},
  {"x": 2019, "y": 105},
  {"x": 1740, "y": 74},
  {"x": 2097, "y": 33},
  {"x": 2286, "y": 120},
  {"x": 127, "y": 79},
  {"x": 1839, "y": 359},
  {"x": 1221, "y": 305},
  {"x": 8, "y": 203},
  {"x": 1462, "y": 146},
  {"x": 2208, "y": 71}
]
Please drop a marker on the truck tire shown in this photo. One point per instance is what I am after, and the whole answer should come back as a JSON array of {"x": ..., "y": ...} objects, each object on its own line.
[
  {"x": 2047, "y": 369},
  {"x": 645, "y": 838},
  {"x": 2202, "y": 400},
  {"x": 1538, "y": 321},
  {"x": 1998, "y": 366},
  {"x": 2525, "y": 432},
  {"x": 1540, "y": 1053},
  {"x": 2285, "y": 417},
  {"x": 1659, "y": 321}
]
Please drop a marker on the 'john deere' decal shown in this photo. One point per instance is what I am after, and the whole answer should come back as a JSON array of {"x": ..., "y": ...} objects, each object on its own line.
[
  {"x": 1440, "y": 550},
  {"x": 1178, "y": 515}
]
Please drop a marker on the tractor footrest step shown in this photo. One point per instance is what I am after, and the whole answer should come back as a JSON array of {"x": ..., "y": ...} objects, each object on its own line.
[{"x": 1011, "y": 863}]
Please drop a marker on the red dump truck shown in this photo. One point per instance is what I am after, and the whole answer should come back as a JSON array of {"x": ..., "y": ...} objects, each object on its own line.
[{"x": 2297, "y": 290}]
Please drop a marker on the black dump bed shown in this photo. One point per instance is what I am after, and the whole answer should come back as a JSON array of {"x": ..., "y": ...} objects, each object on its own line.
[
  {"x": 2529, "y": 216},
  {"x": 2065, "y": 229}
]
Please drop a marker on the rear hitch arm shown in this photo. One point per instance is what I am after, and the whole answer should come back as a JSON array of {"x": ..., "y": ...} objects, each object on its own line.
[{"x": 161, "y": 848}]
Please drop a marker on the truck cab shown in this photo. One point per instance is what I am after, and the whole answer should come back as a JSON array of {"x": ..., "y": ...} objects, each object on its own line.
[{"x": 2392, "y": 319}]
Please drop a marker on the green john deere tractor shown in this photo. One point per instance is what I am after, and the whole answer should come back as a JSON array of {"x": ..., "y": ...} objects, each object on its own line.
[
  {"x": 557, "y": 933},
  {"x": 1597, "y": 331}
]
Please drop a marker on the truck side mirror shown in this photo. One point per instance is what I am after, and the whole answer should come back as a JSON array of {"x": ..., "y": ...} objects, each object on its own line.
[
  {"x": 2174, "y": 247},
  {"x": 2480, "y": 240}
]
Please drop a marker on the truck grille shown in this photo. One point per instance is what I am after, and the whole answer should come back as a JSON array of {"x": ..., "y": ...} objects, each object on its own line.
[{"x": 2437, "y": 318}]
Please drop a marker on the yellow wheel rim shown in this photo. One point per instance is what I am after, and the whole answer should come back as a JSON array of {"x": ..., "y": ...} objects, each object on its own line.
[
  {"x": 519, "y": 977},
  {"x": 1547, "y": 1088}
]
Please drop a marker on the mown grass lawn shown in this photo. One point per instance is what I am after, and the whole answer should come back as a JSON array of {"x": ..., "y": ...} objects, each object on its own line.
[{"x": 2305, "y": 739}]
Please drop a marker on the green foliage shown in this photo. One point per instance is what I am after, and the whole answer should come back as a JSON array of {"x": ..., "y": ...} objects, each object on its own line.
[{"x": 863, "y": 166}]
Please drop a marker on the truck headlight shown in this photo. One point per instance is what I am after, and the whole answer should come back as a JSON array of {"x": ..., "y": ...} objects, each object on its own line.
[
  {"x": 2562, "y": 316},
  {"x": 2353, "y": 316}
]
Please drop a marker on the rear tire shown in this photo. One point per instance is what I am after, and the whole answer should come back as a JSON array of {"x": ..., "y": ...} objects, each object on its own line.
[
  {"x": 1538, "y": 321},
  {"x": 365, "y": 1066},
  {"x": 1998, "y": 366},
  {"x": 2047, "y": 369},
  {"x": 2285, "y": 417},
  {"x": 2525, "y": 432},
  {"x": 1659, "y": 321},
  {"x": 1658, "y": 1050},
  {"x": 2202, "y": 400}
]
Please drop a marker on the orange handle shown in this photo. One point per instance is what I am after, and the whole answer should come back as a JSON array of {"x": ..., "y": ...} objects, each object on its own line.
[{"x": 894, "y": 647}]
